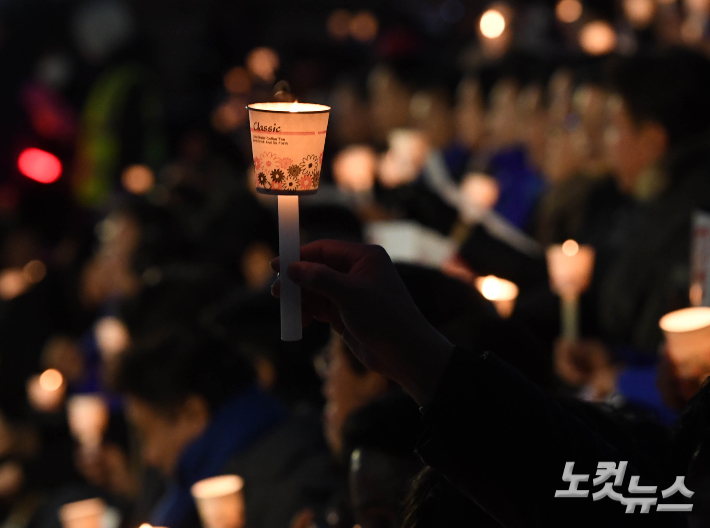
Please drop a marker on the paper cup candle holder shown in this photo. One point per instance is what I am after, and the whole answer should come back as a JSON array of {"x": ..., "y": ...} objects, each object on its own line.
[
  {"x": 687, "y": 335},
  {"x": 570, "y": 267},
  {"x": 287, "y": 141},
  {"x": 220, "y": 501},
  {"x": 83, "y": 514}
]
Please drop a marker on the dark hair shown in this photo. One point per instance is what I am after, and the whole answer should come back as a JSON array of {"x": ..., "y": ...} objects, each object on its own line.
[
  {"x": 166, "y": 367},
  {"x": 433, "y": 501},
  {"x": 670, "y": 88}
]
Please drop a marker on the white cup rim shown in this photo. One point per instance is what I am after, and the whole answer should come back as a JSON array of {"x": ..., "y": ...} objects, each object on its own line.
[
  {"x": 220, "y": 486},
  {"x": 685, "y": 320}
]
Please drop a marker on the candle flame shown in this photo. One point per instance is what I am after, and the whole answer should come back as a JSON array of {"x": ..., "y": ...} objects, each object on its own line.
[
  {"x": 294, "y": 107},
  {"x": 496, "y": 289},
  {"x": 51, "y": 380},
  {"x": 570, "y": 248}
]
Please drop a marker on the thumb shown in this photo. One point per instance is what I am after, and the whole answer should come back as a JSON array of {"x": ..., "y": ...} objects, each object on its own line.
[{"x": 321, "y": 279}]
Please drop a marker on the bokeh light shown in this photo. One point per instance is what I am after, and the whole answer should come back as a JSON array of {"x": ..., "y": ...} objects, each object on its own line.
[
  {"x": 13, "y": 283},
  {"x": 112, "y": 336},
  {"x": 263, "y": 63},
  {"x": 51, "y": 380},
  {"x": 354, "y": 168},
  {"x": 237, "y": 80},
  {"x": 570, "y": 248},
  {"x": 697, "y": 7},
  {"x": 496, "y": 289},
  {"x": 39, "y": 165},
  {"x": 138, "y": 179},
  {"x": 639, "y": 12},
  {"x": 35, "y": 271},
  {"x": 364, "y": 26},
  {"x": 229, "y": 115},
  {"x": 338, "y": 24},
  {"x": 691, "y": 31},
  {"x": 597, "y": 38},
  {"x": 568, "y": 11},
  {"x": 492, "y": 24}
]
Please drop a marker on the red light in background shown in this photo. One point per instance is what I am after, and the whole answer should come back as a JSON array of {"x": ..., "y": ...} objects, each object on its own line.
[{"x": 39, "y": 165}]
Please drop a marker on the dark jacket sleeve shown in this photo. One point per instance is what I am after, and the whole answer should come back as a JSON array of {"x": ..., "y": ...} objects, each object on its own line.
[{"x": 504, "y": 443}]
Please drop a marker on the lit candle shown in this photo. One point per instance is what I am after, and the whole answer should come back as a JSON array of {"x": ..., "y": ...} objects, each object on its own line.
[
  {"x": 570, "y": 269},
  {"x": 287, "y": 143},
  {"x": 502, "y": 293},
  {"x": 687, "y": 336},
  {"x": 220, "y": 501},
  {"x": 45, "y": 392},
  {"x": 83, "y": 514},
  {"x": 88, "y": 416}
]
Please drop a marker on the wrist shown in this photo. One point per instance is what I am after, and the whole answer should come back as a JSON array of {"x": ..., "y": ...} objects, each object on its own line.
[{"x": 428, "y": 361}]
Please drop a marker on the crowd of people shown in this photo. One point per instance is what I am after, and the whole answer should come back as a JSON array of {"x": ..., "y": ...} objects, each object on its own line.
[{"x": 140, "y": 348}]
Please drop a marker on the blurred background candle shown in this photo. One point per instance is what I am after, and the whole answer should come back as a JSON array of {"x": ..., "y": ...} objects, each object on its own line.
[
  {"x": 287, "y": 142},
  {"x": 502, "y": 293},
  {"x": 687, "y": 342},
  {"x": 220, "y": 501},
  {"x": 83, "y": 514},
  {"x": 88, "y": 416},
  {"x": 45, "y": 391},
  {"x": 570, "y": 267}
]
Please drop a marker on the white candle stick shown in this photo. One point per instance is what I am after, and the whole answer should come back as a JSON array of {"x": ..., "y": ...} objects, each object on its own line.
[
  {"x": 570, "y": 267},
  {"x": 287, "y": 141},
  {"x": 570, "y": 317},
  {"x": 289, "y": 251}
]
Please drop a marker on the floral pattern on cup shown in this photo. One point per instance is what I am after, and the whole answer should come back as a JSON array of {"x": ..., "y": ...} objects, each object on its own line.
[{"x": 276, "y": 174}]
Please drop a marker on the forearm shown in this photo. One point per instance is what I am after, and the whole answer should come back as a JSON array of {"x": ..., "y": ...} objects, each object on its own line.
[{"x": 504, "y": 443}]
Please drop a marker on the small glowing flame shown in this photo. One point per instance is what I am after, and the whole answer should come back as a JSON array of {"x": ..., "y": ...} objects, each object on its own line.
[
  {"x": 492, "y": 24},
  {"x": 51, "y": 380},
  {"x": 496, "y": 289},
  {"x": 570, "y": 248},
  {"x": 294, "y": 107}
]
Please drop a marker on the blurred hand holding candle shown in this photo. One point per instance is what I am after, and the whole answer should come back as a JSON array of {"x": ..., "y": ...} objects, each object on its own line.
[
  {"x": 45, "y": 391},
  {"x": 287, "y": 144},
  {"x": 502, "y": 293},
  {"x": 88, "y": 416},
  {"x": 405, "y": 158},
  {"x": 687, "y": 340},
  {"x": 354, "y": 169},
  {"x": 479, "y": 194},
  {"x": 220, "y": 501},
  {"x": 570, "y": 269}
]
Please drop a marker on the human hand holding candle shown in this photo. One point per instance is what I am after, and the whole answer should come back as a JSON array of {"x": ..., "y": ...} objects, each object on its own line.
[
  {"x": 287, "y": 142},
  {"x": 405, "y": 158},
  {"x": 479, "y": 194},
  {"x": 570, "y": 268},
  {"x": 220, "y": 501}
]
